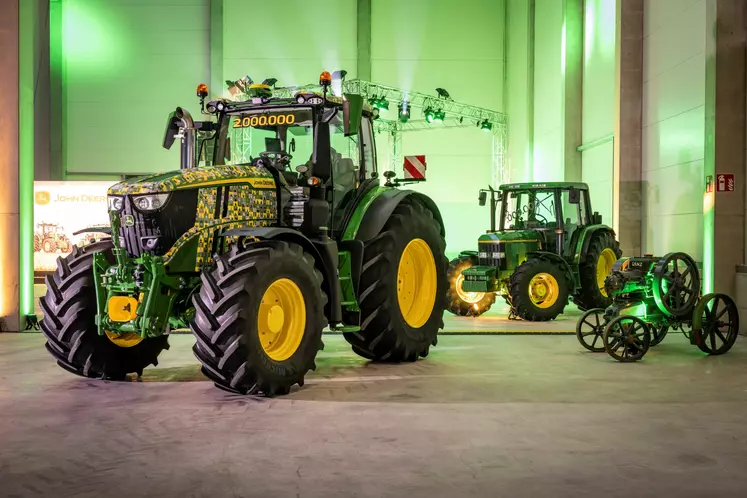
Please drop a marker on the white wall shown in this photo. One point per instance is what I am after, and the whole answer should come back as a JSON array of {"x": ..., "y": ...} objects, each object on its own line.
[
  {"x": 425, "y": 44},
  {"x": 673, "y": 125},
  {"x": 598, "y": 102},
  {"x": 126, "y": 65}
]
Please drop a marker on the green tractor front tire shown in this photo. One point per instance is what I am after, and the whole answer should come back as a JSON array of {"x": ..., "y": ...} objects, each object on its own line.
[
  {"x": 402, "y": 287},
  {"x": 259, "y": 318},
  {"x": 462, "y": 303},
  {"x": 69, "y": 323},
  {"x": 538, "y": 290},
  {"x": 603, "y": 251}
]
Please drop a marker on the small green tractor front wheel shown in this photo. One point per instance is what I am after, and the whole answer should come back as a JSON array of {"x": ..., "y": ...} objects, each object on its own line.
[
  {"x": 538, "y": 290},
  {"x": 603, "y": 251},
  {"x": 402, "y": 287},
  {"x": 259, "y": 318},
  {"x": 459, "y": 301},
  {"x": 69, "y": 323}
]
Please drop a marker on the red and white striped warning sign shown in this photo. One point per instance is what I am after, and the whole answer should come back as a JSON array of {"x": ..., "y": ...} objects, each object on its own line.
[{"x": 415, "y": 167}]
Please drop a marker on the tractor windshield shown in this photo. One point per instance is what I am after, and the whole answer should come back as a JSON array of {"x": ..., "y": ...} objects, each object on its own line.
[
  {"x": 529, "y": 209},
  {"x": 248, "y": 133}
]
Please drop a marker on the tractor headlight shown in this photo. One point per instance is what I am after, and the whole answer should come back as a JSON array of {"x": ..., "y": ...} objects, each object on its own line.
[
  {"x": 150, "y": 202},
  {"x": 115, "y": 203}
]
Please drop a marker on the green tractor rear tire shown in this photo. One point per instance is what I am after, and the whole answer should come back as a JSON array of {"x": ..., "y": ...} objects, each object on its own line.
[
  {"x": 69, "y": 323},
  {"x": 538, "y": 290},
  {"x": 603, "y": 251},
  {"x": 463, "y": 303},
  {"x": 402, "y": 287},
  {"x": 259, "y": 318}
]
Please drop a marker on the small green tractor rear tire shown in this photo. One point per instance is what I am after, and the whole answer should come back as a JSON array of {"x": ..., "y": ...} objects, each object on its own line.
[
  {"x": 385, "y": 334},
  {"x": 230, "y": 343},
  {"x": 603, "y": 250},
  {"x": 69, "y": 323},
  {"x": 465, "y": 304},
  {"x": 529, "y": 304}
]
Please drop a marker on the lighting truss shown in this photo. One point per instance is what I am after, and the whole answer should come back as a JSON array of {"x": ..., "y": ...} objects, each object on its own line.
[{"x": 457, "y": 115}]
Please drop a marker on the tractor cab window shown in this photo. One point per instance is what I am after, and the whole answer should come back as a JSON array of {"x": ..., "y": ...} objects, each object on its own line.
[
  {"x": 529, "y": 210},
  {"x": 368, "y": 149}
]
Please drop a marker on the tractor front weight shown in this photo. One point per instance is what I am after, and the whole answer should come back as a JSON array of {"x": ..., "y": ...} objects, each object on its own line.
[{"x": 135, "y": 295}]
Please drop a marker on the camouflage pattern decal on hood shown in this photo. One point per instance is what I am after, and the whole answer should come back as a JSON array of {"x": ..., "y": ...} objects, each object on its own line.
[{"x": 255, "y": 176}]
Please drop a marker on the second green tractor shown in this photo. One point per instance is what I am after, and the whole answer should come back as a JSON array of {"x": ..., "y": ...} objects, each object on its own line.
[{"x": 545, "y": 247}]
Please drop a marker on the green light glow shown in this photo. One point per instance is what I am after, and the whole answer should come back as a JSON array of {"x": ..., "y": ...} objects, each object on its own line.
[
  {"x": 26, "y": 31},
  {"x": 562, "y": 49},
  {"x": 90, "y": 38}
]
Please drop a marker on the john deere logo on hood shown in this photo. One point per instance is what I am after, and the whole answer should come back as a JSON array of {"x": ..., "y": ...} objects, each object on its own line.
[{"x": 128, "y": 220}]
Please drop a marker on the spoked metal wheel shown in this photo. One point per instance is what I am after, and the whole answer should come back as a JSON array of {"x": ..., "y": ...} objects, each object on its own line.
[
  {"x": 677, "y": 284},
  {"x": 657, "y": 334},
  {"x": 626, "y": 338},
  {"x": 590, "y": 328},
  {"x": 715, "y": 324}
]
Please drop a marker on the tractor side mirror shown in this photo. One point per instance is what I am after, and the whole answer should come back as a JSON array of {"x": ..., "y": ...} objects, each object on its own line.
[
  {"x": 596, "y": 218},
  {"x": 574, "y": 196},
  {"x": 352, "y": 111},
  {"x": 172, "y": 129},
  {"x": 482, "y": 198}
]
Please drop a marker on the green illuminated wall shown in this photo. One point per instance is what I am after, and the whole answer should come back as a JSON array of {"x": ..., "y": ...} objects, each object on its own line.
[
  {"x": 599, "y": 103},
  {"x": 125, "y": 65},
  {"x": 674, "y": 126},
  {"x": 425, "y": 44},
  {"x": 548, "y": 84}
]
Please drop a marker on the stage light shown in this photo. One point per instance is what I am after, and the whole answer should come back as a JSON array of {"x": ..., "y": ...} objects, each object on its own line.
[
  {"x": 486, "y": 125},
  {"x": 404, "y": 111},
  {"x": 429, "y": 114},
  {"x": 443, "y": 93},
  {"x": 379, "y": 103},
  {"x": 439, "y": 115}
]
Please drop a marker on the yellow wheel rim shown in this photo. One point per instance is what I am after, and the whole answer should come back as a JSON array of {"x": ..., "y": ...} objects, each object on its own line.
[
  {"x": 416, "y": 283},
  {"x": 604, "y": 267},
  {"x": 124, "y": 340},
  {"x": 467, "y": 297},
  {"x": 281, "y": 320},
  {"x": 543, "y": 290}
]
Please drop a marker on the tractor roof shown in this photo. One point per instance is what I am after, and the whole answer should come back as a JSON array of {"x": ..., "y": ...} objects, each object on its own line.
[{"x": 543, "y": 186}]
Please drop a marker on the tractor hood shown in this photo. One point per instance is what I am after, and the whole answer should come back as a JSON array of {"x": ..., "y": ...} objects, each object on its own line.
[
  {"x": 508, "y": 236},
  {"x": 255, "y": 176}
]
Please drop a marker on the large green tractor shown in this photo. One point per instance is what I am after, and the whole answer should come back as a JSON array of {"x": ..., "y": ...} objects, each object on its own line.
[
  {"x": 255, "y": 256},
  {"x": 548, "y": 246}
]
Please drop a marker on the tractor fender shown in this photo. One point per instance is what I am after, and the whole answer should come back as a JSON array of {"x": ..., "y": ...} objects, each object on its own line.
[
  {"x": 589, "y": 233},
  {"x": 324, "y": 253},
  {"x": 554, "y": 258},
  {"x": 383, "y": 206}
]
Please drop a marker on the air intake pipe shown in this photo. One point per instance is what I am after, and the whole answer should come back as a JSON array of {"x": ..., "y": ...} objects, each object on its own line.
[{"x": 181, "y": 125}]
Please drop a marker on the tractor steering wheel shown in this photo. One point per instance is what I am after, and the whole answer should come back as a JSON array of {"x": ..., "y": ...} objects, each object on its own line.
[{"x": 279, "y": 160}]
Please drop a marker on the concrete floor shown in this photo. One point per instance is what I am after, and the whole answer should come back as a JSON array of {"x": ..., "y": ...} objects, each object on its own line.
[{"x": 490, "y": 416}]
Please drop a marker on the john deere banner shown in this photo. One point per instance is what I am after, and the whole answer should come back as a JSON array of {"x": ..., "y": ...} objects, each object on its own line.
[{"x": 60, "y": 210}]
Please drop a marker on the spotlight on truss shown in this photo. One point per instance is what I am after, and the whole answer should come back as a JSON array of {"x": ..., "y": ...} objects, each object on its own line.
[
  {"x": 429, "y": 114},
  {"x": 404, "y": 111},
  {"x": 443, "y": 93}
]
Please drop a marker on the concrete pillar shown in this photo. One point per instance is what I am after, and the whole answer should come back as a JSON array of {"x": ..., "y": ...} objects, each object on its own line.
[
  {"x": 364, "y": 40},
  {"x": 724, "y": 212},
  {"x": 572, "y": 98},
  {"x": 627, "y": 192},
  {"x": 9, "y": 154}
]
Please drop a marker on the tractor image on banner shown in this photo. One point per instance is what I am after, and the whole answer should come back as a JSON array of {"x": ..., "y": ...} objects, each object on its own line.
[
  {"x": 546, "y": 247},
  {"x": 285, "y": 230}
]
